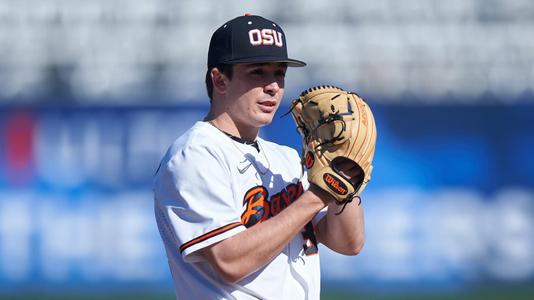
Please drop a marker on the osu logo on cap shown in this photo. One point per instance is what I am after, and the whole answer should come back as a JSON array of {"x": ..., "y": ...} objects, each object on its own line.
[{"x": 265, "y": 37}]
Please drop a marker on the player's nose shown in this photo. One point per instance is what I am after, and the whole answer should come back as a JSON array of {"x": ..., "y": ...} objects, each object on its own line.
[{"x": 272, "y": 88}]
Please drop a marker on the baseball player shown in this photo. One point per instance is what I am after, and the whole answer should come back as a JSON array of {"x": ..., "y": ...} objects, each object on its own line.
[{"x": 238, "y": 218}]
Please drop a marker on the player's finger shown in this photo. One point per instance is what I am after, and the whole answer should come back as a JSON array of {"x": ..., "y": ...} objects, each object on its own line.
[{"x": 350, "y": 170}]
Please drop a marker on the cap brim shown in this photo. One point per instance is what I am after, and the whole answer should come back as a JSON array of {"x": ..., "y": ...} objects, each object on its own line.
[{"x": 252, "y": 60}]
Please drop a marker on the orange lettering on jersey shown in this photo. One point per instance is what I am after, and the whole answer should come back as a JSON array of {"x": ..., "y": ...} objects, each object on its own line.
[
  {"x": 286, "y": 200},
  {"x": 256, "y": 206},
  {"x": 259, "y": 207},
  {"x": 276, "y": 206},
  {"x": 292, "y": 192}
]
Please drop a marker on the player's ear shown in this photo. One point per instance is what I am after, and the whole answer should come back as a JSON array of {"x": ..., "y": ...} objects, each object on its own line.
[{"x": 219, "y": 81}]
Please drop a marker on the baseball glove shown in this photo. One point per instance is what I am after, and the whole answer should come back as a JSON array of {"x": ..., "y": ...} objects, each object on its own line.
[{"x": 335, "y": 126}]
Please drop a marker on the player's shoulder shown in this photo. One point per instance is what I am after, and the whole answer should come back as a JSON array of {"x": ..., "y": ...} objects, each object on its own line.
[
  {"x": 201, "y": 140},
  {"x": 201, "y": 135}
]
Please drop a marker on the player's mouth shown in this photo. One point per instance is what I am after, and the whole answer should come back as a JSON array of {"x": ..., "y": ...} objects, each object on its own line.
[{"x": 267, "y": 106}]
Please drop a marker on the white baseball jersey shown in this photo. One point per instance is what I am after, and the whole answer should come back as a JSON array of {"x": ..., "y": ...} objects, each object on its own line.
[{"x": 210, "y": 187}]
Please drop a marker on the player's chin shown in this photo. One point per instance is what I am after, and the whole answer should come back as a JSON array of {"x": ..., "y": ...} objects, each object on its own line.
[{"x": 264, "y": 119}]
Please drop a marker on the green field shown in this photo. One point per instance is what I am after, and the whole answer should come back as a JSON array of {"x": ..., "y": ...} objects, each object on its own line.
[{"x": 488, "y": 293}]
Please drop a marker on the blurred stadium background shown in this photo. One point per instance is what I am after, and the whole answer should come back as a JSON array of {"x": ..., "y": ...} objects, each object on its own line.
[{"x": 92, "y": 93}]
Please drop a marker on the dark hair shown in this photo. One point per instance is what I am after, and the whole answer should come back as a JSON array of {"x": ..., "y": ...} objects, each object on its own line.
[{"x": 225, "y": 69}]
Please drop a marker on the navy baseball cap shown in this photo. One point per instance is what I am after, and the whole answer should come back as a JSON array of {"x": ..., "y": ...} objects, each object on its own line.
[{"x": 249, "y": 39}]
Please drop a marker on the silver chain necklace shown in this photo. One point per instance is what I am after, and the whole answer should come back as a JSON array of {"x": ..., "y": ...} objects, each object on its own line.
[{"x": 252, "y": 162}]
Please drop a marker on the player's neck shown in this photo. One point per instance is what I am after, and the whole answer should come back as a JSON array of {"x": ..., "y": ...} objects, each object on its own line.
[{"x": 226, "y": 124}]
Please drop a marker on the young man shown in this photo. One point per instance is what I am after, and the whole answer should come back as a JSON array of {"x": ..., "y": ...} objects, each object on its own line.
[{"x": 238, "y": 219}]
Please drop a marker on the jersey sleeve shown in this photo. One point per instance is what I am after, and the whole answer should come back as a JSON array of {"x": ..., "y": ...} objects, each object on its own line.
[{"x": 195, "y": 205}]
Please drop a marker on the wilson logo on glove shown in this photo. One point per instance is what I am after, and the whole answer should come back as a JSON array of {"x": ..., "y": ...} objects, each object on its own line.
[{"x": 335, "y": 184}]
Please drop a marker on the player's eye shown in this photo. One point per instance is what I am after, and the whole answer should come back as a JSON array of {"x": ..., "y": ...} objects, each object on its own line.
[{"x": 257, "y": 71}]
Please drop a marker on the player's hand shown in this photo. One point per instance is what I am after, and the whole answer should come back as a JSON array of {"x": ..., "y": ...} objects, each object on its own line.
[
  {"x": 326, "y": 197},
  {"x": 350, "y": 170}
]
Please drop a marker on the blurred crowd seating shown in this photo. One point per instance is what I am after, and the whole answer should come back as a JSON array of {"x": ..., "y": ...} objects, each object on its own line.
[{"x": 124, "y": 52}]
